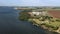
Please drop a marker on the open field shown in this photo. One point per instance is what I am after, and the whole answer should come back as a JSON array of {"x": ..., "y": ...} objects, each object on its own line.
[{"x": 55, "y": 13}]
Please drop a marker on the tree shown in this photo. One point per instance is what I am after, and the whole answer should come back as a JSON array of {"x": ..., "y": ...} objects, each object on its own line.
[{"x": 24, "y": 16}]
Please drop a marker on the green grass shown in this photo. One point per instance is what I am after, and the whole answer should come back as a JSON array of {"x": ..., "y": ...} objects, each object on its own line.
[
  {"x": 55, "y": 23},
  {"x": 36, "y": 21}
]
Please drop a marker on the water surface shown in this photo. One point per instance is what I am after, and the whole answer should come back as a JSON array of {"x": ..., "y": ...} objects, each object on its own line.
[{"x": 10, "y": 24}]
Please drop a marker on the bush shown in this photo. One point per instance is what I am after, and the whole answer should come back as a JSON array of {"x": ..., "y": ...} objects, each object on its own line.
[
  {"x": 50, "y": 26},
  {"x": 43, "y": 24},
  {"x": 55, "y": 28},
  {"x": 58, "y": 20},
  {"x": 24, "y": 16}
]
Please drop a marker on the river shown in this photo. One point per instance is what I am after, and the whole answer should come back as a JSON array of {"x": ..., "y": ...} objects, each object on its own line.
[{"x": 9, "y": 23}]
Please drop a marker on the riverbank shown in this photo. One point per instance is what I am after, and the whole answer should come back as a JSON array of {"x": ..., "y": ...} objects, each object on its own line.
[
  {"x": 44, "y": 21},
  {"x": 37, "y": 23},
  {"x": 50, "y": 29}
]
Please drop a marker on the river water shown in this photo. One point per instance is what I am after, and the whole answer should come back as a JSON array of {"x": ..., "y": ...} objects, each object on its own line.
[{"x": 9, "y": 23}]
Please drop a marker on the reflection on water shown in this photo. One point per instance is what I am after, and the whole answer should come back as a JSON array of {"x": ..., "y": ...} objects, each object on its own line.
[{"x": 9, "y": 23}]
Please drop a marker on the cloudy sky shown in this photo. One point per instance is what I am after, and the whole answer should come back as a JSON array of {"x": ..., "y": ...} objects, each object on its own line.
[{"x": 29, "y": 2}]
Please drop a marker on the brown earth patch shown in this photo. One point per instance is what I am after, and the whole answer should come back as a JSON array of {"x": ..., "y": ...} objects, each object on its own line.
[{"x": 54, "y": 13}]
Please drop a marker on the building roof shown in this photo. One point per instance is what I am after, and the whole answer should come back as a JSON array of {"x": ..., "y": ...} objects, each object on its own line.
[{"x": 54, "y": 13}]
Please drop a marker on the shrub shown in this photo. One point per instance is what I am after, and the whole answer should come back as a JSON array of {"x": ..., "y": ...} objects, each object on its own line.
[
  {"x": 43, "y": 24},
  {"x": 55, "y": 28},
  {"x": 58, "y": 20},
  {"x": 24, "y": 16}
]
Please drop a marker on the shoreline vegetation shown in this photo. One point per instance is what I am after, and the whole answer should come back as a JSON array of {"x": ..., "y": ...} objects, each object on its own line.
[{"x": 46, "y": 22}]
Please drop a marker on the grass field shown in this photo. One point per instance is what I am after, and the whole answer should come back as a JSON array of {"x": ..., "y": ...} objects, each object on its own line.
[{"x": 54, "y": 24}]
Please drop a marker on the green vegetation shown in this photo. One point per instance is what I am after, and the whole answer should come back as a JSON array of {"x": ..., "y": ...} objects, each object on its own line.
[
  {"x": 54, "y": 27},
  {"x": 24, "y": 16},
  {"x": 47, "y": 20}
]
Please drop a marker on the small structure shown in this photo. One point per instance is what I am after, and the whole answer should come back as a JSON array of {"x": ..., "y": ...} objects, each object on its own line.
[{"x": 38, "y": 13}]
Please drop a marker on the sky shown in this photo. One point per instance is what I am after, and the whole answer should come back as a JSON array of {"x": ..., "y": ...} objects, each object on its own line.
[{"x": 29, "y": 2}]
